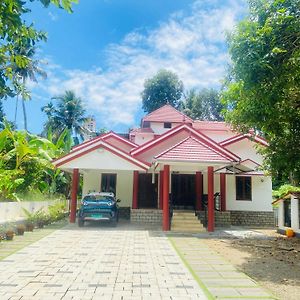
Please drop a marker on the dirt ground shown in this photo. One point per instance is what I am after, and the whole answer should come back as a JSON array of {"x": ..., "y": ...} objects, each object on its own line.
[{"x": 272, "y": 260}]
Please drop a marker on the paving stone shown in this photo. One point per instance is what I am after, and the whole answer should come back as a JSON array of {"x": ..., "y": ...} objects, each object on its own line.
[{"x": 98, "y": 263}]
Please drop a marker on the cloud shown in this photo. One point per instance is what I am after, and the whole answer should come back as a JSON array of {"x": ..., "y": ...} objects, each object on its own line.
[
  {"x": 52, "y": 16},
  {"x": 192, "y": 44}
]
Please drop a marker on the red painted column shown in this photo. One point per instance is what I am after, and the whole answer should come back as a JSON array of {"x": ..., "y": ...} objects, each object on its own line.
[
  {"x": 161, "y": 185},
  {"x": 135, "y": 189},
  {"x": 75, "y": 181},
  {"x": 198, "y": 191},
  {"x": 166, "y": 183},
  {"x": 223, "y": 191},
  {"x": 211, "y": 204}
]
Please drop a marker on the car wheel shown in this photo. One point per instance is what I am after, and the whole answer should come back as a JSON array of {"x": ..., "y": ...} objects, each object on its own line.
[
  {"x": 114, "y": 222},
  {"x": 80, "y": 222}
]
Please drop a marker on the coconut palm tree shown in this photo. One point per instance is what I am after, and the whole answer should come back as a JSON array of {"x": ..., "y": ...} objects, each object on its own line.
[
  {"x": 68, "y": 113},
  {"x": 28, "y": 71}
]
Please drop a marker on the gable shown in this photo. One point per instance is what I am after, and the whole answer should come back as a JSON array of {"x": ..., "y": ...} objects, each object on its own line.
[
  {"x": 246, "y": 149},
  {"x": 101, "y": 158},
  {"x": 153, "y": 148},
  {"x": 167, "y": 113}
]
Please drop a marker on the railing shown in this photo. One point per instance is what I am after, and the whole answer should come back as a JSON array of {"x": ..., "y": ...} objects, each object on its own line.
[{"x": 217, "y": 201}]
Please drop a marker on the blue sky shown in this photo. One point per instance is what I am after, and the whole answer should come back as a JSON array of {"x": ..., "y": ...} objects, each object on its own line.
[{"x": 107, "y": 48}]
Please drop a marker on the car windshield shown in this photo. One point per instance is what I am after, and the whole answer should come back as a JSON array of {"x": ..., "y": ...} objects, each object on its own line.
[{"x": 97, "y": 198}]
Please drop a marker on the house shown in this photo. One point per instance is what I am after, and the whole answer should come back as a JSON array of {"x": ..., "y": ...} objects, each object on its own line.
[
  {"x": 200, "y": 166},
  {"x": 289, "y": 213}
]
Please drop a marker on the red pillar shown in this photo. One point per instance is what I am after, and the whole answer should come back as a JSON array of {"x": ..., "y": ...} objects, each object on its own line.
[
  {"x": 135, "y": 189},
  {"x": 211, "y": 204},
  {"x": 198, "y": 191},
  {"x": 75, "y": 181},
  {"x": 161, "y": 175},
  {"x": 166, "y": 183},
  {"x": 223, "y": 191}
]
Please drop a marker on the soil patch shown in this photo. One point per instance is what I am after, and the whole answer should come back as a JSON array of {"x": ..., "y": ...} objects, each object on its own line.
[{"x": 272, "y": 260}]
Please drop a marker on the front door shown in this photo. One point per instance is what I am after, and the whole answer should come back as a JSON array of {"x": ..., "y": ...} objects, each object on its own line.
[
  {"x": 183, "y": 191},
  {"x": 147, "y": 191}
]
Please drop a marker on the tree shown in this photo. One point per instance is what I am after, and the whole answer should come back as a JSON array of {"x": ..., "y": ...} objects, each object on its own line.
[
  {"x": 165, "y": 87},
  {"x": 68, "y": 113},
  {"x": 2, "y": 115},
  {"x": 23, "y": 73},
  {"x": 14, "y": 35},
  {"x": 204, "y": 105},
  {"x": 263, "y": 87}
]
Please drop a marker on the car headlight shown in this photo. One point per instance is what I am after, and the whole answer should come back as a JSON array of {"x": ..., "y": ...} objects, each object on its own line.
[
  {"x": 110, "y": 203},
  {"x": 84, "y": 203}
]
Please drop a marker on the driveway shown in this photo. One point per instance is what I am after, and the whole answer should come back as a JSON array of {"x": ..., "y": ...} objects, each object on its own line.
[{"x": 98, "y": 262}]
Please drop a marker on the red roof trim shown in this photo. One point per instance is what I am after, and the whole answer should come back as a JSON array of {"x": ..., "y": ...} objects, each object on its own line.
[
  {"x": 107, "y": 146},
  {"x": 142, "y": 148},
  {"x": 249, "y": 159},
  {"x": 237, "y": 138}
]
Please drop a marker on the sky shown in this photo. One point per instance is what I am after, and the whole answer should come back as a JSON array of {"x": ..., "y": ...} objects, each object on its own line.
[{"x": 106, "y": 49}]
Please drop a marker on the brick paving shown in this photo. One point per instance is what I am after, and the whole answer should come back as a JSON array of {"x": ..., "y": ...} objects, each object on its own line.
[
  {"x": 217, "y": 276},
  {"x": 98, "y": 262}
]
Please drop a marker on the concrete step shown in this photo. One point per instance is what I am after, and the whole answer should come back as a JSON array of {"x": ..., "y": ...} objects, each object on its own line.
[
  {"x": 187, "y": 230},
  {"x": 186, "y": 221},
  {"x": 190, "y": 224}
]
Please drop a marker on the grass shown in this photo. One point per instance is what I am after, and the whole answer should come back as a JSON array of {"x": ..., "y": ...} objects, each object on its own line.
[{"x": 20, "y": 241}]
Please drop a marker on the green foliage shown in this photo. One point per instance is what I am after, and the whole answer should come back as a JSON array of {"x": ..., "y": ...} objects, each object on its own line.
[
  {"x": 165, "y": 87},
  {"x": 263, "y": 87},
  {"x": 204, "y": 105},
  {"x": 57, "y": 211},
  {"x": 15, "y": 34},
  {"x": 285, "y": 190},
  {"x": 25, "y": 164},
  {"x": 68, "y": 114}
]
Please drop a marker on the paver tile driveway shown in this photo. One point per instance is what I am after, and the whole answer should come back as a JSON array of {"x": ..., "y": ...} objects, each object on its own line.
[{"x": 98, "y": 263}]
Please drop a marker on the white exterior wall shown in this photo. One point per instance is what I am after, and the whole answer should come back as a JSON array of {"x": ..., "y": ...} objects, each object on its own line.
[
  {"x": 261, "y": 195},
  {"x": 218, "y": 136},
  {"x": 101, "y": 159},
  {"x": 294, "y": 215},
  {"x": 142, "y": 138},
  {"x": 246, "y": 149},
  {"x": 281, "y": 215},
  {"x": 92, "y": 183},
  {"x": 12, "y": 211},
  {"x": 158, "y": 128}
]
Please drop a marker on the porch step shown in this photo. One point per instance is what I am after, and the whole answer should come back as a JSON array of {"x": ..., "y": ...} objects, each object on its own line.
[{"x": 186, "y": 221}]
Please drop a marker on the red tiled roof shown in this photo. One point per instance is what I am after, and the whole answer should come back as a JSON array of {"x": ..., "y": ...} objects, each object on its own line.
[
  {"x": 104, "y": 136},
  {"x": 184, "y": 127},
  {"x": 167, "y": 113},
  {"x": 211, "y": 125},
  {"x": 193, "y": 150},
  {"x": 239, "y": 137}
]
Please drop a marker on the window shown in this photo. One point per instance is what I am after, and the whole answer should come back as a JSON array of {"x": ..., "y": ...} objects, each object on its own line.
[
  {"x": 109, "y": 183},
  {"x": 167, "y": 125},
  {"x": 146, "y": 124},
  {"x": 243, "y": 188}
]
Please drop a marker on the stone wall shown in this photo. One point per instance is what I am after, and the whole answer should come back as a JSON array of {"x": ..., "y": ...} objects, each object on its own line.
[
  {"x": 146, "y": 216},
  {"x": 241, "y": 218},
  {"x": 252, "y": 218},
  {"x": 222, "y": 218}
]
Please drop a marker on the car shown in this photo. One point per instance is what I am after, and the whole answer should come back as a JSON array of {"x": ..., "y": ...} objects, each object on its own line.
[{"x": 98, "y": 207}]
